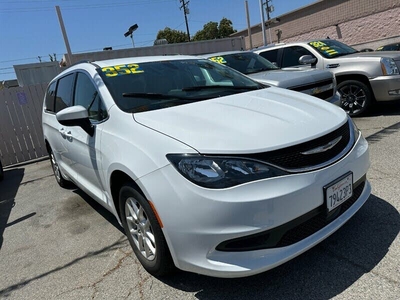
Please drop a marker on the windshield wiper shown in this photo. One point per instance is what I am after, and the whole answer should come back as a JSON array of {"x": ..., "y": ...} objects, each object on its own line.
[
  {"x": 230, "y": 87},
  {"x": 155, "y": 96},
  {"x": 261, "y": 70}
]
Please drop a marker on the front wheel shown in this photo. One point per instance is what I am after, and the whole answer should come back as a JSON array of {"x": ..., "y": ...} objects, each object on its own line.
[
  {"x": 144, "y": 232},
  {"x": 356, "y": 97}
]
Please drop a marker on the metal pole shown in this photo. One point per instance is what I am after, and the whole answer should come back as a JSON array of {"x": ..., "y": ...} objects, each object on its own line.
[
  {"x": 133, "y": 43},
  {"x": 248, "y": 24},
  {"x": 263, "y": 24},
  {"x": 69, "y": 53},
  {"x": 185, "y": 12}
]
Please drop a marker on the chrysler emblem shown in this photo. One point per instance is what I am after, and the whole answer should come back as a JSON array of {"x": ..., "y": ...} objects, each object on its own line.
[{"x": 323, "y": 148}]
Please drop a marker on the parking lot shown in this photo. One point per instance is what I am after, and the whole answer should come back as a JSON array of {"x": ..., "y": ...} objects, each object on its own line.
[{"x": 59, "y": 244}]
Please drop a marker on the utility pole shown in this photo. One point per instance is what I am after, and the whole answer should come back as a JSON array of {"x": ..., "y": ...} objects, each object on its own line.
[
  {"x": 186, "y": 12},
  {"x": 64, "y": 33},
  {"x": 248, "y": 24},
  {"x": 269, "y": 9},
  {"x": 263, "y": 23}
]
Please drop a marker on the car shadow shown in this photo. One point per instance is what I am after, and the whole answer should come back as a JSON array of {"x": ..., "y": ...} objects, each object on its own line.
[
  {"x": 320, "y": 273},
  {"x": 99, "y": 209},
  {"x": 8, "y": 190},
  {"x": 390, "y": 108}
]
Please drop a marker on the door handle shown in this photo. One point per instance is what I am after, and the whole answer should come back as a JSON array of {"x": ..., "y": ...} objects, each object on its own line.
[{"x": 62, "y": 132}]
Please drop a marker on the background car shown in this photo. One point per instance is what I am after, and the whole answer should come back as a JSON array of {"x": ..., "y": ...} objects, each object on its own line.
[
  {"x": 389, "y": 47},
  {"x": 318, "y": 83},
  {"x": 362, "y": 77},
  {"x": 206, "y": 169}
]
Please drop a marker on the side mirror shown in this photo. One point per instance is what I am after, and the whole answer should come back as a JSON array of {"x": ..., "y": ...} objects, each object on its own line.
[
  {"x": 307, "y": 60},
  {"x": 76, "y": 116}
]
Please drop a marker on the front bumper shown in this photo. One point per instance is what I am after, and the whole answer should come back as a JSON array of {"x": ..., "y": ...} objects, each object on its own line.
[
  {"x": 196, "y": 220},
  {"x": 382, "y": 86}
]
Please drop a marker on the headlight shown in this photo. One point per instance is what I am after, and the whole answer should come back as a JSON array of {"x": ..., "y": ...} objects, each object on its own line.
[
  {"x": 388, "y": 66},
  {"x": 221, "y": 172}
]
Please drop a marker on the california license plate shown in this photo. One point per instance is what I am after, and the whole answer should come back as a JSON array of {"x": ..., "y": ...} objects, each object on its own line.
[{"x": 339, "y": 191}]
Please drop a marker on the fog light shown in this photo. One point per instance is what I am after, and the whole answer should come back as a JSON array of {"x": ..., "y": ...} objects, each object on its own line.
[{"x": 394, "y": 92}]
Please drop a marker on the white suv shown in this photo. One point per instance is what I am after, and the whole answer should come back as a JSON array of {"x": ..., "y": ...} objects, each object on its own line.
[{"x": 206, "y": 169}]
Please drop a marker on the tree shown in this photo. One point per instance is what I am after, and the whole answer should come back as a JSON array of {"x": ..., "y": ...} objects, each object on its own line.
[
  {"x": 209, "y": 32},
  {"x": 172, "y": 35},
  {"x": 225, "y": 28},
  {"x": 213, "y": 30}
]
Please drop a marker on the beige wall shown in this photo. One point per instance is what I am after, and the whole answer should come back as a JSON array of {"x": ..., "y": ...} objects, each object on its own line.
[{"x": 361, "y": 23}]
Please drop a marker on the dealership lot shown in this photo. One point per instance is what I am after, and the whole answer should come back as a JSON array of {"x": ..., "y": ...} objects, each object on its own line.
[{"x": 60, "y": 244}]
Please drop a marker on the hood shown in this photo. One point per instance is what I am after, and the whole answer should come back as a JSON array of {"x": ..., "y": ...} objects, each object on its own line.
[
  {"x": 291, "y": 77},
  {"x": 251, "y": 122}
]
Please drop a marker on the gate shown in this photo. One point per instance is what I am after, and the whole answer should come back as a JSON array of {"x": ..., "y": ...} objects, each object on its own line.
[{"x": 21, "y": 135}]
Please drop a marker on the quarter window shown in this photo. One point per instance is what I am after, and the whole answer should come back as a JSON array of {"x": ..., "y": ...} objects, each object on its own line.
[{"x": 50, "y": 97}]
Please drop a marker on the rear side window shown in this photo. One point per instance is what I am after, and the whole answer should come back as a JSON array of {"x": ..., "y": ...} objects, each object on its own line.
[
  {"x": 64, "y": 92},
  {"x": 291, "y": 55},
  {"x": 50, "y": 97},
  {"x": 271, "y": 55}
]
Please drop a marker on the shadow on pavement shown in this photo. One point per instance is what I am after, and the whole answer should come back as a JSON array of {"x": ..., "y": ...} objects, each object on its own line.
[
  {"x": 99, "y": 209},
  {"x": 321, "y": 273},
  {"x": 8, "y": 189},
  {"x": 390, "y": 108}
]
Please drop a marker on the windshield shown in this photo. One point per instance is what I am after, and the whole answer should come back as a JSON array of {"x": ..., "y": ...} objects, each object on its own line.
[
  {"x": 245, "y": 62},
  {"x": 332, "y": 48},
  {"x": 161, "y": 84}
]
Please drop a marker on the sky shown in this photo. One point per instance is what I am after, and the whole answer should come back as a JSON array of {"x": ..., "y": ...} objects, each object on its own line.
[{"x": 30, "y": 28}]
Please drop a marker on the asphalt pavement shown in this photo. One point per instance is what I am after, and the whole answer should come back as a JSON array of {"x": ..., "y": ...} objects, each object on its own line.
[{"x": 60, "y": 244}]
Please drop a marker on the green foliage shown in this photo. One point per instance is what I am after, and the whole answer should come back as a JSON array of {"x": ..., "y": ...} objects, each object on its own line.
[
  {"x": 172, "y": 36},
  {"x": 213, "y": 30},
  {"x": 210, "y": 31},
  {"x": 225, "y": 28}
]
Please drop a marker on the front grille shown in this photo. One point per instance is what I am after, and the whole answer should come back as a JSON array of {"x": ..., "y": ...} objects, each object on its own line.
[
  {"x": 324, "y": 95},
  {"x": 294, "y": 231},
  {"x": 318, "y": 84},
  {"x": 291, "y": 158}
]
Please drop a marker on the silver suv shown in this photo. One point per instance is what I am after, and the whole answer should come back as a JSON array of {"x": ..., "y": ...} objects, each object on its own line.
[
  {"x": 362, "y": 77},
  {"x": 310, "y": 81}
]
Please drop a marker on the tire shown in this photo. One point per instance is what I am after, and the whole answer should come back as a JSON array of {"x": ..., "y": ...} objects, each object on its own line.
[
  {"x": 57, "y": 172},
  {"x": 144, "y": 232},
  {"x": 356, "y": 97}
]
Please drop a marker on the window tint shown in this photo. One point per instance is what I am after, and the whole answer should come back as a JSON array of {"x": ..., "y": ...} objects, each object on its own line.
[
  {"x": 86, "y": 95},
  {"x": 64, "y": 92},
  {"x": 50, "y": 96},
  {"x": 245, "y": 62},
  {"x": 271, "y": 55},
  {"x": 291, "y": 55}
]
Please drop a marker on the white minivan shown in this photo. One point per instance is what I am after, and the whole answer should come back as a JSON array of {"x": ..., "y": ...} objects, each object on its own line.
[{"x": 207, "y": 170}]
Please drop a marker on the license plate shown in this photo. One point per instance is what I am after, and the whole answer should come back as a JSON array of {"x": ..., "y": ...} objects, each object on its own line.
[{"x": 339, "y": 191}]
